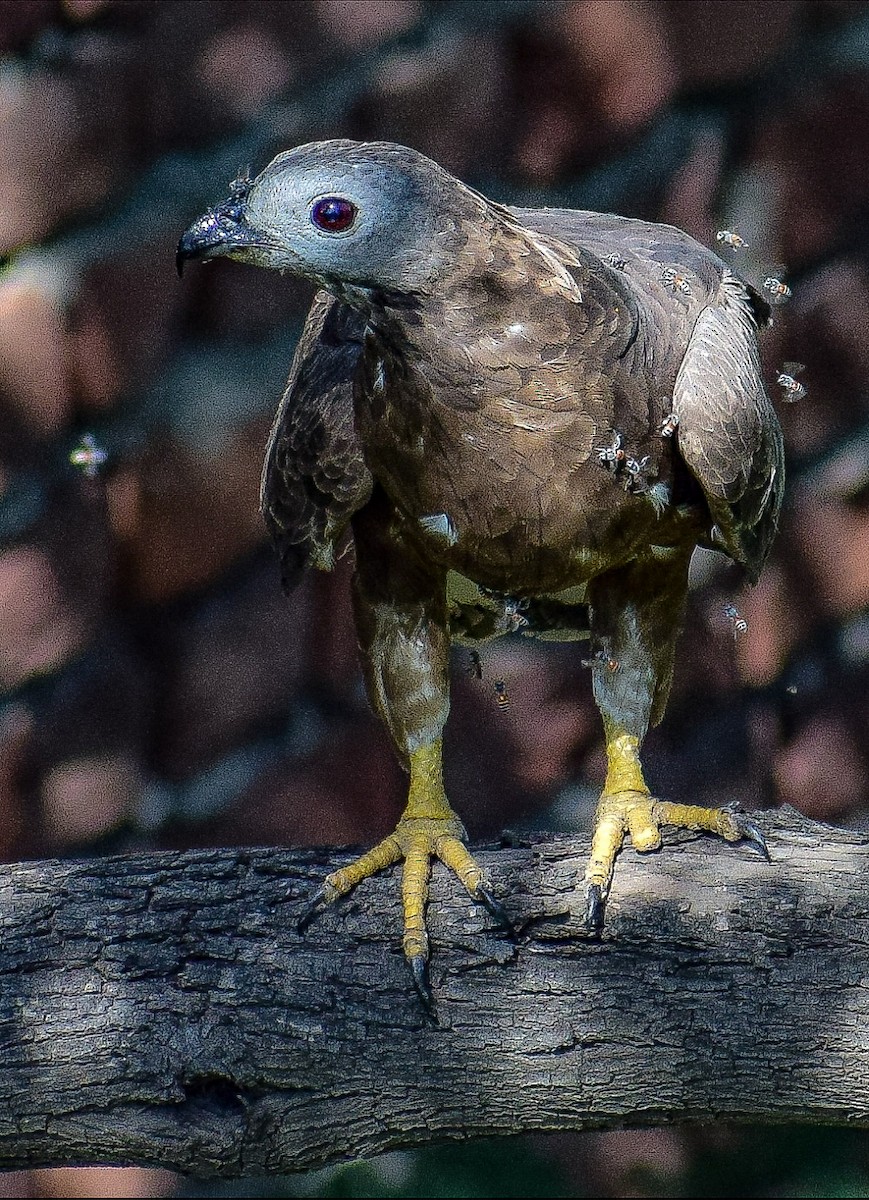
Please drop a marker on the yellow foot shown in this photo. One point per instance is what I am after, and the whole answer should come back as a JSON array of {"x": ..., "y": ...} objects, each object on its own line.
[
  {"x": 416, "y": 840},
  {"x": 640, "y": 815}
]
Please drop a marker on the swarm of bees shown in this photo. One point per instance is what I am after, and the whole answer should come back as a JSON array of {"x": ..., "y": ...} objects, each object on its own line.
[
  {"x": 737, "y": 622},
  {"x": 633, "y": 472},
  {"x": 669, "y": 425},
  {"x": 88, "y": 456},
  {"x": 613, "y": 260},
  {"x": 728, "y": 238},
  {"x": 792, "y": 389},
  {"x": 676, "y": 281},
  {"x": 776, "y": 289}
]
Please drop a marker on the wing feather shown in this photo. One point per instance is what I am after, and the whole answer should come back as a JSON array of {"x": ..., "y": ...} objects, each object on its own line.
[
  {"x": 314, "y": 476},
  {"x": 728, "y": 431},
  {"x": 705, "y": 342}
]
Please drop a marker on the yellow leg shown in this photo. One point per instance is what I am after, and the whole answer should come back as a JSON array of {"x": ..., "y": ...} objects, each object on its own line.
[
  {"x": 626, "y": 806},
  {"x": 428, "y": 829}
]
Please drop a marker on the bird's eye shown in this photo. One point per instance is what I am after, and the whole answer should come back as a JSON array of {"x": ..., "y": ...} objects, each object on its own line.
[{"x": 333, "y": 214}]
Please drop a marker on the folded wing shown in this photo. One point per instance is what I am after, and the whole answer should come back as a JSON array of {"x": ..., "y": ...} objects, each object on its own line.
[{"x": 314, "y": 477}]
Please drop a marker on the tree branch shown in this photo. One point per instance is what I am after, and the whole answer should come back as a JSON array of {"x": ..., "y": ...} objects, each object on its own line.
[{"x": 161, "y": 1009}]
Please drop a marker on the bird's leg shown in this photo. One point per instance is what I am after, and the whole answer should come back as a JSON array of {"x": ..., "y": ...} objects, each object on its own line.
[
  {"x": 428, "y": 828},
  {"x": 402, "y": 623},
  {"x": 636, "y": 616}
]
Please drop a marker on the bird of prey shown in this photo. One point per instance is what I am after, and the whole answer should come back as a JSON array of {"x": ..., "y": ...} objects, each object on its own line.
[{"x": 513, "y": 411}]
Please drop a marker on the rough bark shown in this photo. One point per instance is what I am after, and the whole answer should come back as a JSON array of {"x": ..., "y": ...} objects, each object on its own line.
[{"x": 161, "y": 1009}]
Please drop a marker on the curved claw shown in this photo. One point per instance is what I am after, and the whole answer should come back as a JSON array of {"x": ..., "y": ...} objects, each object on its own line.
[
  {"x": 594, "y": 909},
  {"x": 752, "y": 835},
  {"x": 315, "y": 907},
  {"x": 494, "y": 907},
  {"x": 419, "y": 969}
]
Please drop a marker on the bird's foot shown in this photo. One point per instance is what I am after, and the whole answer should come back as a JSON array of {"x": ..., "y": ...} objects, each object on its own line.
[
  {"x": 641, "y": 815},
  {"x": 416, "y": 841}
]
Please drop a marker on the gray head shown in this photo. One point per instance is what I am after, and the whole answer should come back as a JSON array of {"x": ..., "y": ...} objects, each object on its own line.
[{"x": 368, "y": 214}]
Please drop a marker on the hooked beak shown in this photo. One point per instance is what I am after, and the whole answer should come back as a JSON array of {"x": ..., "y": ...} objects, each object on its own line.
[{"x": 221, "y": 231}]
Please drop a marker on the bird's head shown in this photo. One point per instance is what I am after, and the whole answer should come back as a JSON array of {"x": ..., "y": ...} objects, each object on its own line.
[{"x": 367, "y": 214}]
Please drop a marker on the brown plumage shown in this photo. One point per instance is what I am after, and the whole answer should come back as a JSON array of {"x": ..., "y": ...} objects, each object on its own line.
[{"x": 463, "y": 373}]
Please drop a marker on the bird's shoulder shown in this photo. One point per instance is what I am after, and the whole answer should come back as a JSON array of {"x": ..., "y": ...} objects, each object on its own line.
[{"x": 642, "y": 249}]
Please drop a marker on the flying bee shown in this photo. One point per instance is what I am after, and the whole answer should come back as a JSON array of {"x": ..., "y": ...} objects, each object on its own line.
[
  {"x": 637, "y": 473},
  {"x": 599, "y": 659},
  {"x": 241, "y": 185},
  {"x": 513, "y": 610},
  {"x": 776, "y": 289},
  {"x": 729, "y": 238},
  {"x": 501, "y": 695},
  {"x": 669, "y": 425},
  {"x": 792, "y": 389},
  {"x": 613, "y": 260},
  {"x": 739, "y": 624},
  {"x": 612, "y": 456},
  {"x": 675, "y": 280},
  {"x": 475, "y": 665},
  {"x": 659, "y": 497},
  {"x": 88, "y": 456}
]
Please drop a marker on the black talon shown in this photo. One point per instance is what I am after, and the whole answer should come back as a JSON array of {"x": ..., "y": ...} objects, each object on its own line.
[
  {"x": 594, "y": 910},
  {"x": 748, "y": 831},
  {"x": 494, "y": 907},
  {"x": 316, "y": 906},
  {"x": 419, "y": 970},
  {"x": 755, "y": 839}
]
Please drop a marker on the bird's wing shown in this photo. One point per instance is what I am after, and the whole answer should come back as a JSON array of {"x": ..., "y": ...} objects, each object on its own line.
[
  {"x": 729, "y": 434},
  {"x": 704, "y": 343},
  {"x": 314, "y": 477}
]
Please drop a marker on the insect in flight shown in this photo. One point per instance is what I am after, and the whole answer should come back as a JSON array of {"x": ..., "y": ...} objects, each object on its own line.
[
  {"x": 776, "y": 289},
  {"x": 600, "y": 658},
  {"x": 675, "y": 280},
  {"x": 612, "y": 456},
  {"x": 669, "y": 425},
  {"x": 792, "y": 389},
  {"x": 637, "y": 473},
  {"x": 659, "y": 497},
  {"x": 728, "y": 238},
  {"x": 88, "y": 456},
  {"x": 501, "y": 695},
  {"x": 513, "y": 610},
  {"x": 739, "y": 624}
]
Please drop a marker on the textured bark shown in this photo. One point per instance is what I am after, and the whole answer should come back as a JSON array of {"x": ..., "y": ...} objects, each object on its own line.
[{"x": 161, "y": 1009}]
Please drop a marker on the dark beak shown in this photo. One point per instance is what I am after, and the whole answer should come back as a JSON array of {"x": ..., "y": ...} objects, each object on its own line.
[{"x": 219, "y": 231}]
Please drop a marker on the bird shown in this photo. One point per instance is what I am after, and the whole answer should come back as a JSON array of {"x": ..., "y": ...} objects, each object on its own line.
[{"x": 463, "y": 372}]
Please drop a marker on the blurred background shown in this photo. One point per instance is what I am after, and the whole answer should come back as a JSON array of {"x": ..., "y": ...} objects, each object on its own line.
[{"x": 156, "y": 687}]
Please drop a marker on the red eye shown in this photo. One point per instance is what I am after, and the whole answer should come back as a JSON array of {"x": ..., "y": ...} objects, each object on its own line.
[{"x": 333, "y": 214}]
